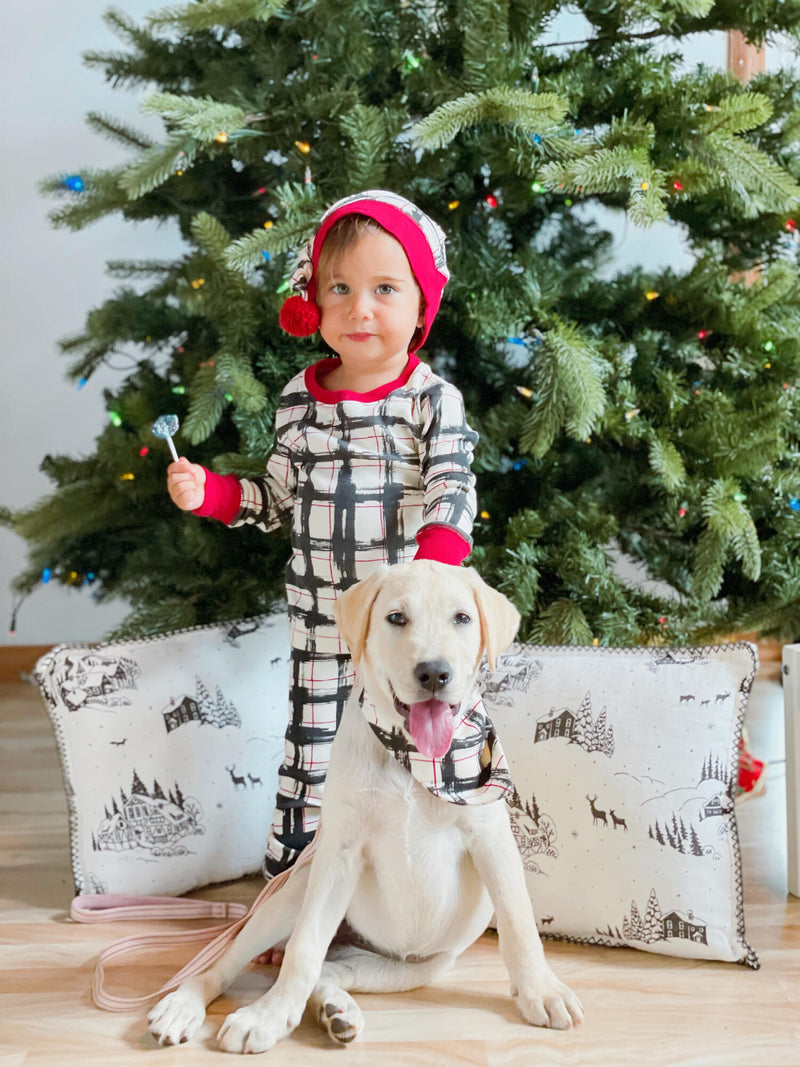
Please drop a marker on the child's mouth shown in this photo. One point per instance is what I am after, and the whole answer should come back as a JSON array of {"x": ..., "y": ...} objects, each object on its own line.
[{"x": 359, "y": 336}]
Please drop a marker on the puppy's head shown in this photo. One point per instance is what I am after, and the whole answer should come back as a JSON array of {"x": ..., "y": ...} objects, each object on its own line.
[{"x": 417, "y": 632}]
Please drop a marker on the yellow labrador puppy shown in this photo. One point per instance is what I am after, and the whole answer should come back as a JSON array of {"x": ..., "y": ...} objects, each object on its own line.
[{"x": 415, "y": 850}]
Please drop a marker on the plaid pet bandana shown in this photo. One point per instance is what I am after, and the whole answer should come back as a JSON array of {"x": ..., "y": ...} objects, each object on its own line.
[{"x": 473, "y": 771}]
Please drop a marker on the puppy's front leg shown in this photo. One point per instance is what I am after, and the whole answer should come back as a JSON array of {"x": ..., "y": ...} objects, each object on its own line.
[
  {"x": 333, "y": 876},
  {"x": 177, "y": 1017},
  {"x": 542, "y": 998}
]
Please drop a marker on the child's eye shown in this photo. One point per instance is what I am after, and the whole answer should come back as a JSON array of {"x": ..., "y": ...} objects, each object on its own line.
[
  {"x": 340, "y": 289},
  {"x": 385, "y": 289}
]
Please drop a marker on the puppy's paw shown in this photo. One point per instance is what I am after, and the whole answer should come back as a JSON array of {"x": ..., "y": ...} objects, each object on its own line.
[
  {"x": 341, "y": 1016},
  {"x": 256, "y": 1028},
  {"x": 548, "y": 1002},
  {"x": 178, "y": 1017}
]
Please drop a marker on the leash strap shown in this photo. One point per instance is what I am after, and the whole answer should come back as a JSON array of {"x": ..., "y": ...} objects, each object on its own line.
[{"x": 110, "y": 907}]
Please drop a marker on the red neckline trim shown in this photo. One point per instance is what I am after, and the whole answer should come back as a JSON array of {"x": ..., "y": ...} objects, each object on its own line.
[{"x": 333, "y": 396}]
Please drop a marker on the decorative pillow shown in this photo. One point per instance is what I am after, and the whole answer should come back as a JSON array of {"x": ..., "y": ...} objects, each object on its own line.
[
  {"x": 170, "y": 747},
  {"x": 625, "y": 767}
]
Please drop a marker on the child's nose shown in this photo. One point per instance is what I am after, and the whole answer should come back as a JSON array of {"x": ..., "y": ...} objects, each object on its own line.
[{"x": 361, "y": 306}]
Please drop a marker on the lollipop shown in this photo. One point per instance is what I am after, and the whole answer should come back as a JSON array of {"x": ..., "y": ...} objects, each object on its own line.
[{"x": 165, "y": 427}]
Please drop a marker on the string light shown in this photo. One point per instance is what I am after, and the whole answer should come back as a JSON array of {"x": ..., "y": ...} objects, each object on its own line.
[
  {"x": 794, "y": 503},
  {"x": 179, "y": 390},
  {"x": 537, "y": 187},
  {"x": 47, "y": 574},
  {"x": 197, "y": 282},
  {"x": 222, "y": 137},
  {"x": 128, "y": 476},
  {"x": 652, "y": 294},
  {"x": 769, "y": 346},
  {"x": 304, "y": 147},
  {"x": 702, "y": 334},
  {"x": 523, "y": 390},
  {"x": 484, "y": 514},
  {"x": 74, "y": 182},
  {"x": 268, "y": 224},
  {"x": 284, "y": 287},
  {"x": 677, "y": 186},
  {"x": 115, "y": 418},
  {"x": 645, "y": 186},
  {"x": 491, "y": 200},
  {"x": 791, "y": 225},
  {"x": 81, "y": 383},
  {"x": 631, "y": 414},
  {"x": 144, "y": 450},
  {"x": 682, "y": 510},
  {"x": 267, "y": 256},
  {"x": 411, "y": 61},
  {"x": 453, "y": 205}
]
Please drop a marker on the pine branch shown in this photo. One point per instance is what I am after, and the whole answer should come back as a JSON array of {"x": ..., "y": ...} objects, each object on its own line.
[
  {"x": 102, "y": 195},
  {"x": 207, "y": 405},
  {"x": 729, "y": 533},
  {"x": 210, "y": 235},
  {"x": 157, "y": 165},
  {"x": 120, "y": 268},
  {"x": 212, "y": 13},
  {"x": 234, "y": 373},
  {"x": 204, "y": 119},
  {"x": 300, "y": 207},
  {"x": 666, "y": 461},
  {"x": 518, "y": 109},
  {"x": 116, "y": 130},
  {"x": 371, "y": 138},
  {"x": 613, "y": 170},
  {"x": 568, "y": 389},
  {"x": 561, "y": 623}
]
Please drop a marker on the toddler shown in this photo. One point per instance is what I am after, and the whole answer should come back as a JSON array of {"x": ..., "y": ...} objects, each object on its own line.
[{"x": 370, "y": 464}]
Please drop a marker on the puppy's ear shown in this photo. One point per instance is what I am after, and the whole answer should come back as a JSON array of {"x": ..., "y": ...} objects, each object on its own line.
[
  {"x": 353, "y": 609},
  {"x": 499, "y": 618}
]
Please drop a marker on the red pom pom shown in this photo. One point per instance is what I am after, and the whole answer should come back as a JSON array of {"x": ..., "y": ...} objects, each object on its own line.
[{"x": 299, "y": 317}]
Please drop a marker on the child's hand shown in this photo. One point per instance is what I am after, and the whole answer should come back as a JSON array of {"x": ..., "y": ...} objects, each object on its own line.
[{"x": 186, "y": 483}]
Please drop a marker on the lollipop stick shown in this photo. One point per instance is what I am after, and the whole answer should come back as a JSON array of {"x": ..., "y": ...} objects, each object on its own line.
[{"x": 172, "y": 449}]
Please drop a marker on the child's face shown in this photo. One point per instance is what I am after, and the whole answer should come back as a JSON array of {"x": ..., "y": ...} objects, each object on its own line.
[{"x": 370, "y": 306}]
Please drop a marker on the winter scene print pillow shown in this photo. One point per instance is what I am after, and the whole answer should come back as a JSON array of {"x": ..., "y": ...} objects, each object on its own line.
[
  {"x": 170, "y": 748},
  {"x": 624, "y": 763}
]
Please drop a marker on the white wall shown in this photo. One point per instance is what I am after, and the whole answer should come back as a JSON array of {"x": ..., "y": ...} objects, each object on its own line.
[{"x": 51, "y": 278}]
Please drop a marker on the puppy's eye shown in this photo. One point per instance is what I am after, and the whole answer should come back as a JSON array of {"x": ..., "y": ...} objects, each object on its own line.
[
  {"x": 462, "y": 619},
  {"x": 396, "y": 618}
]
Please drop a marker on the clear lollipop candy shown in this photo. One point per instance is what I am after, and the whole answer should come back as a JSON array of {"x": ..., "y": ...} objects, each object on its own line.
[{"x": 165, "y": 427}]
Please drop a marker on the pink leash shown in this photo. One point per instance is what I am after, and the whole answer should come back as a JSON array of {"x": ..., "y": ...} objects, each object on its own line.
[{"x": 110, "y": 907}]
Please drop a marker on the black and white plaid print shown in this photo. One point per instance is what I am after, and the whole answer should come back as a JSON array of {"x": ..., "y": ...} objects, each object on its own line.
[
  {"x": 318, "y": 690},
  {"x": 474, "y": 770},
  {"x": 358, "y": 480}
]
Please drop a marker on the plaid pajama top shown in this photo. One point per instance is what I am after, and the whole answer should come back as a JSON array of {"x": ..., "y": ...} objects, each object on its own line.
[{"x": 357, "y": 476}]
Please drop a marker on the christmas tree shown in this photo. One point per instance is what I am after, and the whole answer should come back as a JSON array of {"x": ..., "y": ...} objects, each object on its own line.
[{"x": 622, "y": 412}]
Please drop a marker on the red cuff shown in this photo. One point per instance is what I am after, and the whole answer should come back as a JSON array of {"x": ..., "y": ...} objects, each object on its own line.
[
  {"x": 223, "y": 497},
  {"x": 442, "y": 543}
]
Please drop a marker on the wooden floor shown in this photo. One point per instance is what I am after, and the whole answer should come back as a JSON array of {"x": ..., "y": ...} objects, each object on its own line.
[{"x": 640, "y": 1009}]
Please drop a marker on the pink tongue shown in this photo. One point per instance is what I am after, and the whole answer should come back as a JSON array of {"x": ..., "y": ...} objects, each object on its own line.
[{"x": 430, "y": 723}]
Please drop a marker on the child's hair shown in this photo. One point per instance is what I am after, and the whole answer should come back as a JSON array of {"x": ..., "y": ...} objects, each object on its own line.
[{"x": 342, "y": 236}]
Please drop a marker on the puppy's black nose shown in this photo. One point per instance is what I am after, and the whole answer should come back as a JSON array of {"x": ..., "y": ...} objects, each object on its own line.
[{"x": 433, "y": 674}]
